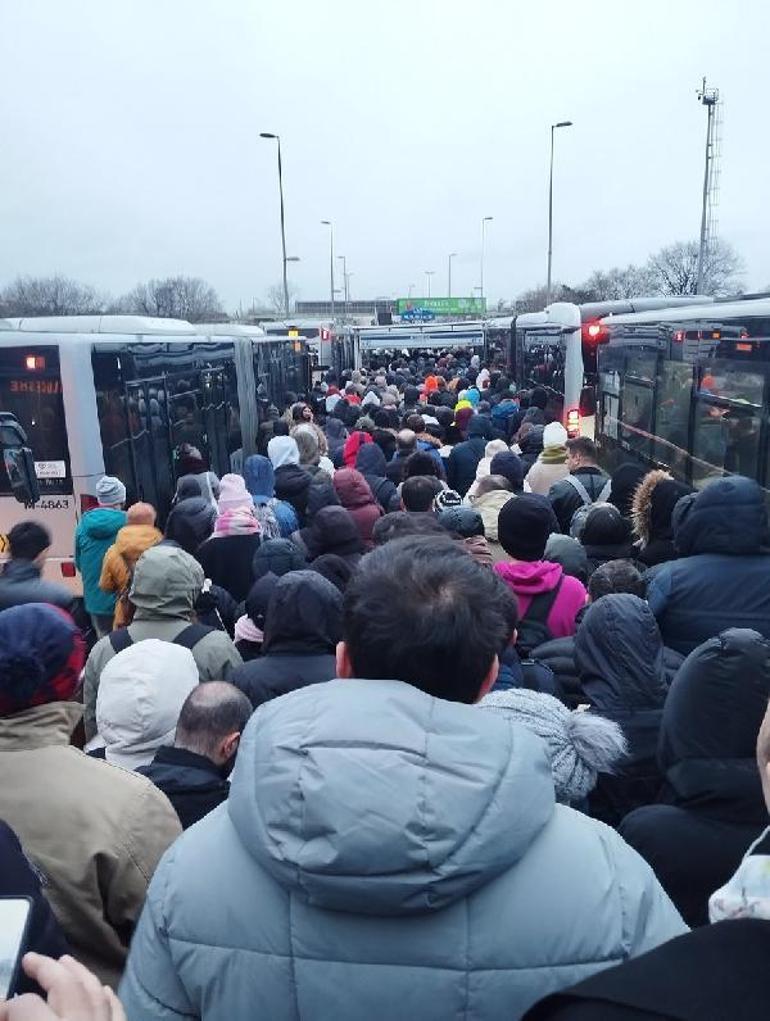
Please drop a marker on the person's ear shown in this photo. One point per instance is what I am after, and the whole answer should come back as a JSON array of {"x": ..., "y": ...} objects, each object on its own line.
[
  {"x": 489, "y": 681},
  {"x": 229, "y": 746},
  {"x": 344, "y": 666}
]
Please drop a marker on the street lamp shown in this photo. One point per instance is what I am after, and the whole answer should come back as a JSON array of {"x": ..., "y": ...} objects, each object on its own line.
[
  {"x": 561, "y": 124},
  {"x": 452, "y": 255},
  {"x": 330, "y": 225},
  {"x": 270, "y": 135},
  {"x": 345, "y": 286},
  {"x": 428, "y": 274},
  {"x": 485, "y": 220}
]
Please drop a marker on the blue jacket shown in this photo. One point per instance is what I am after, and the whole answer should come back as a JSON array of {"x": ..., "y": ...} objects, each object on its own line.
[
  {"x": 383, "y": 855},
  {"x": 721, "y": 580},
  {"x": 94, "y": 535}
]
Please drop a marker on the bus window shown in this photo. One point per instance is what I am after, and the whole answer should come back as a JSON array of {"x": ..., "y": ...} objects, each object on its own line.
[
  {"x": 185, "y": 413},
  {"x": 642, "y": 364},
  {"x": 215, "y": 418},
  {"x": 732, "y": 381},
  {"x": 542, "y": 360},
  {"x": 30, "y": 388},
  {"x": 636, "y": 415},
  {"x": 674, "y": 394},
  {"x": 726, "y": 440}
]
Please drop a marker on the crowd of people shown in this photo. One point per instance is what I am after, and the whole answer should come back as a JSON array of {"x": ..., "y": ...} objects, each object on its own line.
[{"x": 425, "y": 713}]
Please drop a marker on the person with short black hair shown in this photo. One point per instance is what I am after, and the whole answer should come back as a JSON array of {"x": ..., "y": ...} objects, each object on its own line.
[
  {"x": 400, "y": 524},
  {"x": 21, "y": 581},
  {"x": 585, "y": 484},
  {"x": 419, "y": 492},
  {"x": 373, "y": 818},
  {"x": 193, "y": 772},
  {"x": 615, "y": 576}
]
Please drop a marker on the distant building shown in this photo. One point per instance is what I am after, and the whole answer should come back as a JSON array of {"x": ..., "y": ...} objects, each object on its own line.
[{"x": 355, "y": 308}]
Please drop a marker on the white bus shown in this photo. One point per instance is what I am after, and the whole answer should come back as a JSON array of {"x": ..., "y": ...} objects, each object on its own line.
[{"x": 131, "y": 396}]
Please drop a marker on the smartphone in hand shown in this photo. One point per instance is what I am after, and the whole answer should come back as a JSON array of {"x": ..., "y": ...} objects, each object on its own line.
[{"x": 15, "y": 914}]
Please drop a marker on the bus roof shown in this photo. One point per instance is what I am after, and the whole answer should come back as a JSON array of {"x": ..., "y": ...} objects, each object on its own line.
[
  {"x": 716, "y": 310},
  {"x": 102, "y": 324},
  {"x": 627, "y": 306},
  {"x": 229, "y": 329}
]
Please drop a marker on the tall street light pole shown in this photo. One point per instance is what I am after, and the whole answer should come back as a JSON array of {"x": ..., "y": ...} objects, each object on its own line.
[
  {"x": 330, "y": 225},
  {"x": 452, "y": 255},
  {"x": 268, "y": 134},
  {"x": 428, "y": 274},
  {"x": 561, "y": 124},
  {"x": 485, "y": 220},
  {"x": 345, "y": 293}
]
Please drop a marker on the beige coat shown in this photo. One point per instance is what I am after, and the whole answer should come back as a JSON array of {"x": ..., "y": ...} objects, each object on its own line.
[
  {"x": 95, "y": 832},
  {"x": 489, "y": 506},
  {"x": 541, "y": 477}
]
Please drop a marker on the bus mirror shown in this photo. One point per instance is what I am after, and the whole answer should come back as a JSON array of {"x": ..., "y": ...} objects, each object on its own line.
[
  {"x": 587, "y": 402},
  {"x": 20, "y": 468}
]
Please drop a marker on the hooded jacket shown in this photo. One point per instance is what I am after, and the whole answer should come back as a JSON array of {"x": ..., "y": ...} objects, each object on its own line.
[
  {"x": 391, "y": 838},
  {"x": 528, "y": 579},
  {"x": 302, "y": 627},
  {"x": 711, "y": 807},
  {"x": 721, "y": 578},
  {"x": 259, "y": 476},
  {"x": 370, "y": 461},
  {"x": 167, "y": 582},
  {"x": 357, "y": 499},
  {"x": 93, "y": 832},
  {"x": 191, "y": 522},
  {"x": 482, "y": 468},
  {"x": 464, "y": 460},
  {"x": 605, "y": 536},
  {"x": 651, "y": 511},
  {"x": 227, "y": 561},
  {"x": 619, "y": 657},
  {"x": 21, "y": 582},
  {"x": 292, "y": 484},
  {"x": 530, "y": 447},
  {"x": 95, "y": 533},
  {"x": 332, "y": 530},
  {"x": 120, "y": 560},
  {"x": 488, "y": 505}
]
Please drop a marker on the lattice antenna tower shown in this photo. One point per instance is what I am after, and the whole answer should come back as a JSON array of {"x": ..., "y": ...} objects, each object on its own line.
[{"x": 711, "y": 177}]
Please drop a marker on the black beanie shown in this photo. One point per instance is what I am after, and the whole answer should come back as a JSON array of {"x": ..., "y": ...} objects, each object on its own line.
[
  {"x": 462, "y": 521},
  {"x": 524, "y": 524}
]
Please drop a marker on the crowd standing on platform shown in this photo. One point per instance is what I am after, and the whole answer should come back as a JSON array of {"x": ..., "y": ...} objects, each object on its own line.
[{"x": 426, "y": 713}]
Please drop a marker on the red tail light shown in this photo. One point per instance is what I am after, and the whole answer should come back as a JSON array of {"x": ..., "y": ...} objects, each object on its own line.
[
  {"x": 595, "y": 333},
  {"x": 573, "y": 422},
  {"x": 68, "y": 569},
  {"x": 87, "y": 502}
]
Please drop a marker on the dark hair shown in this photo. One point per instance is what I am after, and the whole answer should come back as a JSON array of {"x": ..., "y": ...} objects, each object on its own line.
[
  {"x": 210, "y": 712},
  {"x": 27, "y": 540},
  {"x": 416, "y": 423},
  {"x": 400, "y": 524},
  {"x": 421, "y": 463},
  {"x": 418, "y": 492},
  {"x": 333, "y": 568},
  {"x": 280, "y": 427},
  {"x": 615, "y": 576},
  {"x": 583, "y": 446},
  {"x": 381, "y": 419},
  {"x": 538, "y": 398},
  {"x": 424, "y": 612}
]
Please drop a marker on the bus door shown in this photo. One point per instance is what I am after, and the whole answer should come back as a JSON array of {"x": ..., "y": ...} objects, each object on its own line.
[
  {"x": 150, "y": 446},
  {"x": 216, "y": 419}
]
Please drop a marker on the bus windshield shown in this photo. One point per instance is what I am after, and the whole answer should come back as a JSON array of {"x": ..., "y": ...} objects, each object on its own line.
[{"x": 541, "y": 358}]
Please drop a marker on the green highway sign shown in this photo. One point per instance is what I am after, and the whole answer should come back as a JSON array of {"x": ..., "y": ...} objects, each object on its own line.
[{"x": 443, "y": 306}]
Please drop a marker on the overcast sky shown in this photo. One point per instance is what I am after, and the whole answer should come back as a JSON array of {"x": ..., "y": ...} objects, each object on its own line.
[{"x": 130, "y": 141}]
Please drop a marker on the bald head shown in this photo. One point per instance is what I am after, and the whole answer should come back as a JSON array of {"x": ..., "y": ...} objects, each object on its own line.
[
  {"x": 406, "y": 440},
  {"x": 212, "y": 720},
  {"x": 140, "y": 514}
]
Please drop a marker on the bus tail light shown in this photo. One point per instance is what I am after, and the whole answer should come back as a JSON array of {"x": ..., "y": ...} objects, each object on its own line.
[
  {"x": 68, "y": 569},
  {"x": 87, "y": 502},
  {"x": 573, "y": 422},
  {"x": 595, "y": 333}
]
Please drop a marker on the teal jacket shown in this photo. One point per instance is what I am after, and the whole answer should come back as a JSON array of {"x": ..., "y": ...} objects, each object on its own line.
[
  {"x": 94, "y": 535},
  {"x": 386, "y": 855}
]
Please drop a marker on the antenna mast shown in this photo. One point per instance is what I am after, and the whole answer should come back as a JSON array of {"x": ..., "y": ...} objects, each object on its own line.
[{"x": 708, "y": 224}]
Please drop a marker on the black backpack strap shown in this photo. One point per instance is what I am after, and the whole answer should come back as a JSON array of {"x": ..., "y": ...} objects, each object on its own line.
[
  {"x": 541, "y": 605},
  {"x": 120, "y": 639},
  {"x": 189, "y": 637}
]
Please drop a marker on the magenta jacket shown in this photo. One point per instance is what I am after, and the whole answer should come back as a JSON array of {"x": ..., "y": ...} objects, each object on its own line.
[{"x": 528, "y": 579}]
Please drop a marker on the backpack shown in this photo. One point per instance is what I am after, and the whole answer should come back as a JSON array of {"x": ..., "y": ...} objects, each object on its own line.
[
  {"x": 188, "y": 637},
  {"x": 583, "y": 493},
  {"x": 532, "y": 629}
]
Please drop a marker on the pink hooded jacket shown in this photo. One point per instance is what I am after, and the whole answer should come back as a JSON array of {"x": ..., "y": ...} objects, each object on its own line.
[{"x": 529, "y": 579}]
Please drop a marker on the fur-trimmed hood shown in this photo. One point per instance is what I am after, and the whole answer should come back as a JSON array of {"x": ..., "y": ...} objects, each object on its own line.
[{"x": 653, "y": 505}]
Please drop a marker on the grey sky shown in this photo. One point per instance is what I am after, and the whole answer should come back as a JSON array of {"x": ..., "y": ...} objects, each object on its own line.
[{"x": 129, "y": 137}]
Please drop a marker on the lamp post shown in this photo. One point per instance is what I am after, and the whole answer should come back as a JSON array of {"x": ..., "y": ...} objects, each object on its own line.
[
  {"x": 561, "y": 124},
  {"x": 269, "y": 134},
  {"x": 485, "y": 220},
  {"x": 330, "y": 225},
  {"x": 345, "y": 288},
  {"x": 452, "y": 255},
  {"x": 428, "y": 274}
]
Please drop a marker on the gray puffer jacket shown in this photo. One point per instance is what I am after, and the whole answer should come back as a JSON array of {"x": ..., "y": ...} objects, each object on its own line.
[{"x": 384, "y": 854}]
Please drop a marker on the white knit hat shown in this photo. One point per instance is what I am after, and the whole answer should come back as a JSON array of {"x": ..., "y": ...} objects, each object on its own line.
[
  {"x": 580, "y": 744},
  {"x": 554, "y": 435}
]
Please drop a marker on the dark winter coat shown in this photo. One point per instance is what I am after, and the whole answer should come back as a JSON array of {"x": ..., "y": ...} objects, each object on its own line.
[
  {"x": 370, "y": 461},
  {"x": 531, "y": 447},
  {"x": 292, "y": 484},
  {"x": 226, "y": 559},
  {"x": 722, "y": 579},
  {"x": 191, "y": 522},
  {"x": 464, "y": 459},
  {"x": 302, "y": 628},
  {"x": 711, "y": 974},
  {"x": 357, "y": 499},
  {"x": 20, "y": 583},
  {"x": 321, "y": 493},
  {"x": 651, "y": 512},
  {"x": 619, "y": 655},
  {"x": 192, "y": 783},
  {"x": 565, "y": 499},
  {"x": 332, "y": 530},
  {"x": 710, "y": 808}
]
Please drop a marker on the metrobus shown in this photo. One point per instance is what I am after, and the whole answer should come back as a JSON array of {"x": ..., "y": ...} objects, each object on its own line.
[
  {"x": 329, "y": 344},
  {"x": 376, "y": 344},
  {"x": 556, "y": 349},
  {"x": 130, "y": 396},
  {"x": 687, "y": 389}
]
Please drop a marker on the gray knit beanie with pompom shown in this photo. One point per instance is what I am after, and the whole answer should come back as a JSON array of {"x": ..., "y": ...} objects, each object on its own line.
[{"x": 580, "y": 744}]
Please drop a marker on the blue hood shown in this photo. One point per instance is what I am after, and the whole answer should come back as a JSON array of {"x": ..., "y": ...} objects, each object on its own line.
[
  {"x": 103, "y": 522},
  {"x": 259, "y": 476},
  {"x": 370, "y": 460},
  {"x": 727, "y": 516}
]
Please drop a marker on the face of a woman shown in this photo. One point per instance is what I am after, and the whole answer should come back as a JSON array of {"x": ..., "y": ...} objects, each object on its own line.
[{"x": 307, "y": 414}]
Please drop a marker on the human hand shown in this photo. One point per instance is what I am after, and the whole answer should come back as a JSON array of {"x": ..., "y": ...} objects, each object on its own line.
[{"x": 73, "y": 992}]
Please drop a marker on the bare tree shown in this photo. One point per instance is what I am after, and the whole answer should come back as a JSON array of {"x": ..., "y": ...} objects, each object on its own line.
[
  {"x": 50, "y": 296},
  {"x": 674, "y": 269},
  {"x": 535, "y": 299},
  {"x": 618, "y": 283},
  {"x": 274, "y": 299},
  {"x": 178, "y": 297}
]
